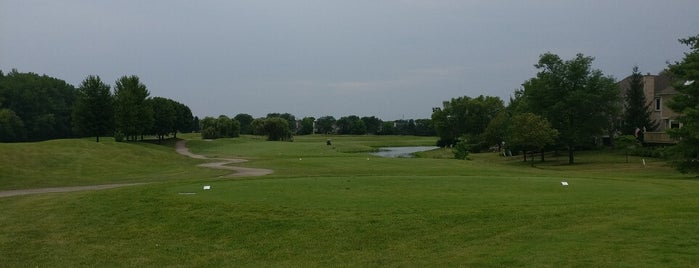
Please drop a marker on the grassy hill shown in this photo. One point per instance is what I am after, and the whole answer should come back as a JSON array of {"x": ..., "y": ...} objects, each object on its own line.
[
  {"x": 85, "y": 162},
  {"x": 340, "y": 206}
]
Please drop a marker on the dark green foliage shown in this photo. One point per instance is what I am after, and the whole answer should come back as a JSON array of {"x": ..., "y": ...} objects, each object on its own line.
[
  {"x": 686, "y": 152},
  {"x": 133, "y": 115},
  {"x": 229, "y": 128},
  {"x": 637, "y": 111},
  {"x": 461, "y": 149},
  {"x": 11, "y": 127},
  {"x": 351, "y": 125},
  {"x": 164, "y": 115},
  {"x": 195, "y": 124},
  {"x": 276, "y": 129},
  {"x": 184, "y": 121},
  {"x": 221, "y": 127},
  {"x": 387, "y": 128},
  {"x": 245, "y": 120},
  {"x": 44, "y": 104},
  {"x": 465, "y": 116},
  {"x": 290, "y": 120},
  {"x": 372, "y": 124},
  {"x": 424, "y": 127},
  {"x": 325, "y": 124},
  {"x": 306, "y": 126},
  {"x": 531, "y": 133},
  {"x": 577, "y": 100},
  {"x": 93, "y": 111}
]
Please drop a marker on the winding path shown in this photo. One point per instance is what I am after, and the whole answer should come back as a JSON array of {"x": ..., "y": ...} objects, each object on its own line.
[{"x": 223, "y": 163}]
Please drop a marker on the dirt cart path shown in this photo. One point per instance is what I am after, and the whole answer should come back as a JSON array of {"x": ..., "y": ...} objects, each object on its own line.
[{"x": 223, "y": 163}]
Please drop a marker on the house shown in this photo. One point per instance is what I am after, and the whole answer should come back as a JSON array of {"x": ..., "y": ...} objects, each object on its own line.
[{"x": 658, "y": 91}]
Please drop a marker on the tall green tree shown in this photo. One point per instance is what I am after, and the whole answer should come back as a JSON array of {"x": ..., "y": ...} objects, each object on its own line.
[
  {"x": 326, "y": 124},
  {"x": 637, "y": 112},
  {"x": 93, "y": 111},
  {"x": 573, "y": 97},
  {"x": 290, "y": 119},
  {"x": 465, "y": 116},
  {"x": 229, "y": 128},
  {"x": 276, "y": 129},
  {"x": 372, "y": 124},
  {"x": 531, "y": 133},
  {"x": 133, "y": 115},
  {"x": 245, "y": 121},
  {"x": 306, "y": 126},
  {"x": 686, "y": 103},
  {"x": 184, "y": 121},
  {"x": 164, "y": 115}
]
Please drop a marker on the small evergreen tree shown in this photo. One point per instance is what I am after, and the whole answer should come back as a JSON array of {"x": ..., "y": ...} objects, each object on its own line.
[{"x": 637, "y": 111}]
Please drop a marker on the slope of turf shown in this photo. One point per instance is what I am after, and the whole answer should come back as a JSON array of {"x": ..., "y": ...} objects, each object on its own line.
[
  {"x": 327, "y": 207},
  {"x": 85, "y": 162}
]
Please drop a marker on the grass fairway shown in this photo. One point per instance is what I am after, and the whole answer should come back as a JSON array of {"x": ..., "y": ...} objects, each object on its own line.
[{"x": 339, "y": 206}]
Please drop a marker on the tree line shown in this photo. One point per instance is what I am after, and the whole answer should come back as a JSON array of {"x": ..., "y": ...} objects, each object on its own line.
[
  {"x": 283, "y": 126},
  {"x": 34, "y": 108}
]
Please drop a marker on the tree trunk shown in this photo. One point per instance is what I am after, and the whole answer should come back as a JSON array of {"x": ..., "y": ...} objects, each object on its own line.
[
  {"x": 98, "y": 138},
  {"x": 542, "y": 155},
  {"x": 524, "y": 153},
  {"x": 570, "y": 155}
]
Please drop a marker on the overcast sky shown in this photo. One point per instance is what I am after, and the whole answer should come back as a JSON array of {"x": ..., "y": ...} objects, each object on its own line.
[{"x": 392, "y": 59}]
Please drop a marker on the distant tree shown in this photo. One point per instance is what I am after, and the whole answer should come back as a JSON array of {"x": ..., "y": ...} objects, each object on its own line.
[
  {"x": 465, "y": 116},
  {"x": 164, "y": 115},
  {"x": 326, "y": 124},
  {"x": 44, "y": 104},
  {"x": 290, "y": 119},
  {"x": 404, "y": 127},
  {"x": 228, "y": 128},
  {"x": 306, "y": 126},
  {"x": 196, "y": 126},
  {"x": 498, "y": 129},
  {"x": 245, "y": 120},
  {"x": 184, "y": 121},
  {"x": 424, "y": 127},
  {"x": 93, "y": 111},
  {"x": 387, "y": 128},
  {"x": 686, "y": 72},
  {"x": 209, "y": 129},
  {"x": 637, "y": 112},
  {"x": 11, "y": 127},
  {"x": 132, "y": 113},
  {"x": 277, "y": 129},
  {"x": 258, "y": 126},
  {"x": 573, "y": 97},
  {"x": 351, "y": 125},
  {"x": 372, "y": 124},
  {"x": 531, "y": 133}
]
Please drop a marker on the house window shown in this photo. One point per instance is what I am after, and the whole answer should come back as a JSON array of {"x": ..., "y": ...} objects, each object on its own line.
[
  {"x": 674, "y": 124},
  {"x": 657, "y": 104}
]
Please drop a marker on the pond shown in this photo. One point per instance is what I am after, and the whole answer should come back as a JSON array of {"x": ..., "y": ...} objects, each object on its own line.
[{"x": 402, "y": 151}]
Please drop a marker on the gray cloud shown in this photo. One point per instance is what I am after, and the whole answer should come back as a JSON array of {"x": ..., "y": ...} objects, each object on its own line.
[{"x": 392, "y": 59}]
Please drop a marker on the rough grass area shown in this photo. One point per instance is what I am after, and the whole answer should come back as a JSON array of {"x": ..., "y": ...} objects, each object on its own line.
[{"x": 324, "y": 207}]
